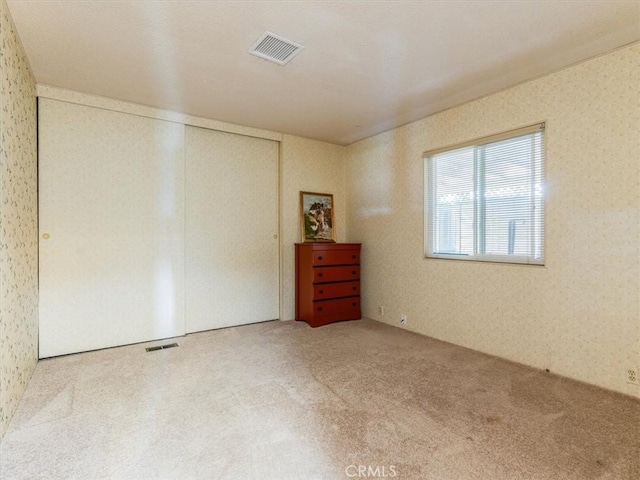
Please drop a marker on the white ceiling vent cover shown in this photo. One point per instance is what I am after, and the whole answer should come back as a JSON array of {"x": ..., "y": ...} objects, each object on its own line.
[{"x": 275, "y": 48}]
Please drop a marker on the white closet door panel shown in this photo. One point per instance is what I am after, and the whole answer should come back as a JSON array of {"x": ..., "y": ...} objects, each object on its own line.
[
  {"x": 232, "y": 227},
  {"x": 112, "y": 200}
]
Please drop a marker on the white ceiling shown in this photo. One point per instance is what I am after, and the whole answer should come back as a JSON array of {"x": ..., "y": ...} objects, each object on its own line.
[{"x": 367, "y": 66}]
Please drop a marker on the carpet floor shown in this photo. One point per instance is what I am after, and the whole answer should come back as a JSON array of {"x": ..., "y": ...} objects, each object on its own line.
[{"x": 279, "y": 400}]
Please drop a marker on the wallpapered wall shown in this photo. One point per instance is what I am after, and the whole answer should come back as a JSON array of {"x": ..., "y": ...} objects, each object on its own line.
[
  {"x": 18, "y": 221},
  {"x": 310, "y": 166},
  {"x": 579, "y": 314}
]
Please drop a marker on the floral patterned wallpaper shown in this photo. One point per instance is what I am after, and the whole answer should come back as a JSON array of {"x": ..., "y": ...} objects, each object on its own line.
[
  {"x": 579, "y": 314},
  {"x": 18, "y": 221},
  {"x": 310, "y": 166}
]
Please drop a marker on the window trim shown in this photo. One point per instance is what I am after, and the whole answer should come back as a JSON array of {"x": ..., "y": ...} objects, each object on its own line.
[
  {"x": 536, "y": 127},
  {"x": 429, "y": 199}
]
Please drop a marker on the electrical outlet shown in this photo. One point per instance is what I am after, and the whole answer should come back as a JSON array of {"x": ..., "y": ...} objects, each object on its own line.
[
  {"x": 403, "y": 320},
  {"x": 381, "y": 311},
  {"x": 632, "y": 376}
]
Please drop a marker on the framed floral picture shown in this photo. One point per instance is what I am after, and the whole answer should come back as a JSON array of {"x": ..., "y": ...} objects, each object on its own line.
[{"x": 316, "y": 217}]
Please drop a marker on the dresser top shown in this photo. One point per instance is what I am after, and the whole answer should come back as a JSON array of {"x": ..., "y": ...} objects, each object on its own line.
[{"x": 328, "y": 246}]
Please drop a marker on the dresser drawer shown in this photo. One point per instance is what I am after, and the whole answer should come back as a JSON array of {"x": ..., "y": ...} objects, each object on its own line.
[
  {"x": 336, "y": 257},
  {"x": 339, "y": 306},
  {"x": 335, "y": 290},
  {"x": 335, "y": 274}
]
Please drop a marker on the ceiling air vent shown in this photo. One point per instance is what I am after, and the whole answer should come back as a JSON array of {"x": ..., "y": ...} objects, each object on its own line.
[{"x": 275, "y": 48}]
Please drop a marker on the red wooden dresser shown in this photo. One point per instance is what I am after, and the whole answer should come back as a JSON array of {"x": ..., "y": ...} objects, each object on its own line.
[{"x": 327, "y": 282}]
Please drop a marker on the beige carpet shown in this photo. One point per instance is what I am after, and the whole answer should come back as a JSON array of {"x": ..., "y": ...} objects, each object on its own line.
[{"x": 284, "y": 401}]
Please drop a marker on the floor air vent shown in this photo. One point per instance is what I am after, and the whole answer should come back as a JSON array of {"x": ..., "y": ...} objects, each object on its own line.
[
  {"x": 162, "y": 347},
  {"x": 275, "y": 48}
]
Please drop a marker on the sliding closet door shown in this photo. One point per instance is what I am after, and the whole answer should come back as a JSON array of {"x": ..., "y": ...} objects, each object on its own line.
[
  {"x": 111, "y": 228},
  {"x": 231, "y": 229}
]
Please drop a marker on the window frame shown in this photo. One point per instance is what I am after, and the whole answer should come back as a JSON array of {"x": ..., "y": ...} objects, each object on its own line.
[{"x": 430, "y": 201}]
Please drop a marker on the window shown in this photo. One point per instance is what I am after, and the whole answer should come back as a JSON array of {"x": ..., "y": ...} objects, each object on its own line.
[{"x": 485, "y": 199}]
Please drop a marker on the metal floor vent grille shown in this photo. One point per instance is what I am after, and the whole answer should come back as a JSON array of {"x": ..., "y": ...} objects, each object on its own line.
[
  {"x": 161, "y": 347},
  {"x": 275, "y": 48}
]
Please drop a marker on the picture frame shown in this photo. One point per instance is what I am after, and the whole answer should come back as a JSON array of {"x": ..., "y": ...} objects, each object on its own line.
[{"x": 316, "y": 217}]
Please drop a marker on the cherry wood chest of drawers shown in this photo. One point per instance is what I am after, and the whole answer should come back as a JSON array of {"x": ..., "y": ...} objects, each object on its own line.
[{"x": 327, "y": 282}]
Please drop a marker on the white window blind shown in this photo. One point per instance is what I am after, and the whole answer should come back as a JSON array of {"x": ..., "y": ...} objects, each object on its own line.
[{"x": 485, "y": 199}]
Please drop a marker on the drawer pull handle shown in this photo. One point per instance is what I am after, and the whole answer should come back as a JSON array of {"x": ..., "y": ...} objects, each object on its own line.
[
  {"x": 319, "y": 309},
  {"x": 320, "y": 257},
  {"x": 353, "y": 272},
  {"x": 321, "y": 292},
  {"x": 319, "y": 275},
  {"x": 354, "y": 288},
  {"x": 353, "y": 256},
  {"x": 353, "y": 304}
]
